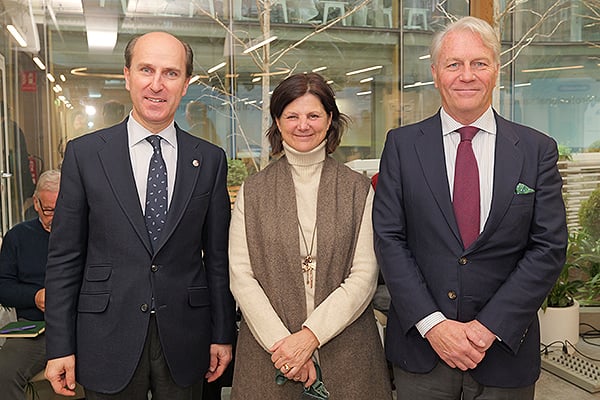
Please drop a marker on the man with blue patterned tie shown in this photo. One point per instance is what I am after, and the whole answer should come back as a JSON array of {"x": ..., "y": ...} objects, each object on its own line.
[{"x": 137, "y": 264}]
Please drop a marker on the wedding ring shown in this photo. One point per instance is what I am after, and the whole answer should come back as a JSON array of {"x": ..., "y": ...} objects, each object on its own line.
[{"x": 286, "y": 367}]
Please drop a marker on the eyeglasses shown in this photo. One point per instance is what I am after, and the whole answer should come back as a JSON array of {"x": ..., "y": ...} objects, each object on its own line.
[{"x": 46, "y": 211}]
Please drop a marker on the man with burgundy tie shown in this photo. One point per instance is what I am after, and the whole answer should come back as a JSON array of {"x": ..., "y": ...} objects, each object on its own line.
[
  {"x": 137, "y": 265},
  {"x": 470, "y": 234}
]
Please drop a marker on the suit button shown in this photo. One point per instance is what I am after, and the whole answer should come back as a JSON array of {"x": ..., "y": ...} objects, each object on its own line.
[
  {"x": 154, "y": 268},
  {"x": 144, "y": 307},
  {"x": 463, "y": 261},
  {"x": 452, "y": 295}
]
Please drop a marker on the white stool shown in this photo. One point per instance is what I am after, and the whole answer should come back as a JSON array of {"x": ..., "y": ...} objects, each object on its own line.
[
  {"x": 283, "y": 8},
  {"x": 359, "y": 18},
  {"x": 211, "y": 7},
  {"x": 237, "y": 12},
  {"x": 334, "y": 5},
  {"x": 416, "y": 18},
  {"x": 387, "y": 14}
]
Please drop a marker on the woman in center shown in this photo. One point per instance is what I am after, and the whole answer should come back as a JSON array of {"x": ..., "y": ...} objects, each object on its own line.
[{"x": 302, "y": 265}]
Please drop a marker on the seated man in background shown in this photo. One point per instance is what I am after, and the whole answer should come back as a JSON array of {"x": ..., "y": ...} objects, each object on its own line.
[
  {"x": 22, "y": 273},
  {"x": 201, "y": 126},
  {"x": 113, "y": 113}
]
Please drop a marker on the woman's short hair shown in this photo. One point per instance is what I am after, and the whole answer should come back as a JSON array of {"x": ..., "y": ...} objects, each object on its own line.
[
  {"x": 489, "y": 37},
  {"x": 296, "y": 86}
]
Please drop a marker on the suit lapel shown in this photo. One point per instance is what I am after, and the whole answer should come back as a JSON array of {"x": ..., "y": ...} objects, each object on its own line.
[
  {"x": 189, "y": 165},
  {"x": 430, "y": 152},
  {"x": 507, "y": 170},
  {"x": 116, "y": 162}
]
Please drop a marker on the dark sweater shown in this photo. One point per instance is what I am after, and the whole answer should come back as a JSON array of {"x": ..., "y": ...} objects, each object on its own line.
[{"x": 23, "y": 268}]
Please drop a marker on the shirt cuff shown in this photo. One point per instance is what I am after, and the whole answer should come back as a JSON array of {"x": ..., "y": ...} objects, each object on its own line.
[{"x": 424, "y": 325}]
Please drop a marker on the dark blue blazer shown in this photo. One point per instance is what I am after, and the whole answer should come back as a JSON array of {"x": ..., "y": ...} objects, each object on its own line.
[
  {"x": 501, "y": 279},
  {"x": 102, "y": 273}
]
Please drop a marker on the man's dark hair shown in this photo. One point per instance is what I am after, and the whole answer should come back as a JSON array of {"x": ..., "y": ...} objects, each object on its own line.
[{"x": 189, "y": 54}]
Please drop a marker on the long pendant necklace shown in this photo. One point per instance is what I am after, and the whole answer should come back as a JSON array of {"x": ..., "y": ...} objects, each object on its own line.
[{"x": 309, "y": 263}]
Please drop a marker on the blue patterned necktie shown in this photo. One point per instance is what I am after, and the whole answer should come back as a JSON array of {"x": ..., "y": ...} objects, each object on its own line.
[
  {"x": 156, "y": 192},
  {"x": 465, "y": 198}
]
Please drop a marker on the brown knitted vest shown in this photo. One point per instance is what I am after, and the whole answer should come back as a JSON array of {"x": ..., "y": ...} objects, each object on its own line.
[{"x": 353, "y": 363}]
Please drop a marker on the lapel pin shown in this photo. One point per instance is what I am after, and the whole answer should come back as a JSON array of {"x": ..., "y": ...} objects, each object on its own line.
[{"x": 195, "y": 163}]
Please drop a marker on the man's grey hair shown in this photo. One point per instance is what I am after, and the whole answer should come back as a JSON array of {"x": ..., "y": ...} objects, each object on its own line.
[
  {"x": 49, "y": 181},
  {"x": 489, "y": 37}
]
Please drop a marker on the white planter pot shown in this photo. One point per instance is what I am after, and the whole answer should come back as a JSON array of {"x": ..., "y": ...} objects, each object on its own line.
[{"x": 559, "y": 325}]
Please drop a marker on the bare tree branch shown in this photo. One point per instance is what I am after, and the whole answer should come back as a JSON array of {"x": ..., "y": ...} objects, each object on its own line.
[{"x": 533, "y": 31}]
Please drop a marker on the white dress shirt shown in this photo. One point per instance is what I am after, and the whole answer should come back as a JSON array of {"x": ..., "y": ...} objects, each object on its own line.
[
  {"x": 484, "y": 146},
  {"x": 140, "y": 152}
]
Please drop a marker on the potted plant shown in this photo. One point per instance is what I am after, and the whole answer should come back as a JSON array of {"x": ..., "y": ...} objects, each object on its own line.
[
  {"x": 578, "y": 283},
  {"x": 237, "y": 172},
  {"x": 559, "y": 314}
]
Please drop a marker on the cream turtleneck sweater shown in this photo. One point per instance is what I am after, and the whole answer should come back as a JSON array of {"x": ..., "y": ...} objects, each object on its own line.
[{"x": 344, "y": 304}]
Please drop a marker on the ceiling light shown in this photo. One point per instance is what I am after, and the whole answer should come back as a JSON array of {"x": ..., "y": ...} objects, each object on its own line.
[
  {"x": 101, "y": 28},
  {"x": 259, "y": 44},
  {"x": 522, "y": 84},
  {"x": 194, "y": 79},
  {"x": 39, "y": 63},
  {"x": 17, "y": 35},
  {"x": 82, "y": 71},
  {"x": 366, "y": 80},
  {"x": 363, "y": 93},
  {"x": 282, "y": 71},
  {"x": 90, "y": 110},
  {"x": 63, "y": 78},
  {"x": 101, "y": 40},
  {"x": 417, "y": 84},
  {"x": 257, "y": 79},
  {"x": 216, "y": 67},
  {"x": 552, "y": 69},
  {"x": 319, "y": 69},
  {"x": 50, "y": 77},
  {"x": 359, "y": 71},
  {"x": 425, "y": 57}
]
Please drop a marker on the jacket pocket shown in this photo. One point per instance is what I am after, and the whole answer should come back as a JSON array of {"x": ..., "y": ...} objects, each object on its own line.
[
  {"x": 93, "y": 302},
  {"x": 98, "y": 273},
  {"x": 198, "y": 296}
]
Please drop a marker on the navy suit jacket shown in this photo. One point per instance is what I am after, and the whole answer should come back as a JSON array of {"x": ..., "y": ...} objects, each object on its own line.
[
  {"x": 501, "y": 279},
  {"x": 102, "y": 272}
]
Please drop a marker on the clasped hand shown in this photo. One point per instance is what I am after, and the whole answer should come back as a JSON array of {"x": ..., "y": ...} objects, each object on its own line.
[
  {"x": 460, "y": 344},
  {"x": 292, "y": 355}
]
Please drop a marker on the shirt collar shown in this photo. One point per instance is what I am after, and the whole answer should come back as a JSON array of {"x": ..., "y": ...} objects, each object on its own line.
[
  {"x": 486, "y": 122},
  {"x": 137, "y": 133}
]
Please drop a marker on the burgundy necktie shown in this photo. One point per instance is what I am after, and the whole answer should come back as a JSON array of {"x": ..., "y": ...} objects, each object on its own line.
[{"x": 465, "y": 198}]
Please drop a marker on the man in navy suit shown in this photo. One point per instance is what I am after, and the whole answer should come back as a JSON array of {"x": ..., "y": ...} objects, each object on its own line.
[
  {"x": 463, "y": 315},
  {"x": 130, "y": 311}
]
